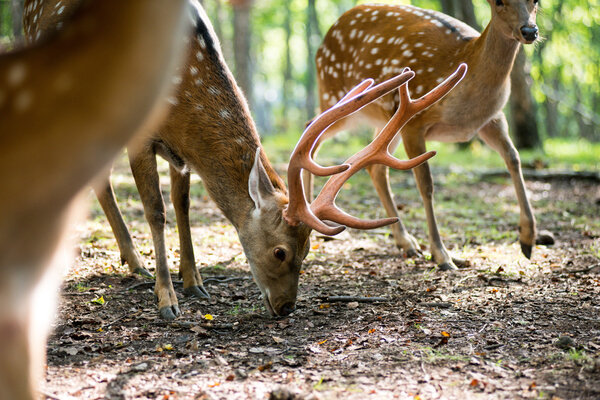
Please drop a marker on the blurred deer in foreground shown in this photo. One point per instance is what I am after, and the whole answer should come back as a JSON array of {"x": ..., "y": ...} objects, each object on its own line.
[
  {"x": 210, "y": 131},
  {"x": 377, "y": 41},
  {"x": 67, "y": 106}
]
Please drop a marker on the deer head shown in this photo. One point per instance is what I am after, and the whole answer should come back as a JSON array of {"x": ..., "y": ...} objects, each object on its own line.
[
  {"x": 516, "y": 18},
  {"x": 275, "y": 237}
]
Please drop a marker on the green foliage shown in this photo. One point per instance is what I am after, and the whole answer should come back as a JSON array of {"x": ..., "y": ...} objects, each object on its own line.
[{"x": 565, "y": 65}]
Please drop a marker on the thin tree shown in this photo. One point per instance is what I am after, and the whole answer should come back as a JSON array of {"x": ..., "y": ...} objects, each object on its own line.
[
  {"x": 287, "y": 68},
  {"x": 17, "y": 18},
  {"x": 313, "y": 38},
  {"x": 523, "y": 108},
  {"x": 242, "y": 33}
]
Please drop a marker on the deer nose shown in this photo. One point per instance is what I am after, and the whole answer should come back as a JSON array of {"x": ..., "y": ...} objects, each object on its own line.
[
  {"x": 529, "y": 32},
  {"x": 287, "y": 309}
]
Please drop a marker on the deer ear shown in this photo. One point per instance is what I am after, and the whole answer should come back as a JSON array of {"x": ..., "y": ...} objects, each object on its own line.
[{"x": 259, "y": 184}]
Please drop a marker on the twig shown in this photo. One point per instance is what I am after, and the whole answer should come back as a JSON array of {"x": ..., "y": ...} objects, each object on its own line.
[
  {"x": 349, "y": 299},
  {"x": 546, "y": 175},
  {"x": 441, "y": 304},
  {"x": 582, "y": 271},
  {"x": 493, "y": 346},
  {"x": 224, "y": 279},
  {"x": 50, "y": 396},
  {"x": 191, "y": 324}
]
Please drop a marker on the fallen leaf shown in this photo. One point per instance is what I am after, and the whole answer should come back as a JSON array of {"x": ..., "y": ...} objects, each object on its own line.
[
  {"x": 353, "y": 304},
  {"x": 168, "y": 347},
  {"x": 446, "y": 334},
  {"x": 265, "y": 367},
  {"x": 208, "y": 317},
  {"x": 323, "y": 342},
  {"x": 474, "y": 383},
  {"x": 214, "y": 384},
  {"x": 372, "y": 330},
  {"x": 99, "y": 300},
  {"x": 278, "y": 340},
  {"x": 324, "y": 305}
]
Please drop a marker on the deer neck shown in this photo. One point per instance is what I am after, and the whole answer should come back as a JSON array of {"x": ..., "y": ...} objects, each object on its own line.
[
  {"x": 213, "y": 133},
  {"x": 493, "y": 56}
]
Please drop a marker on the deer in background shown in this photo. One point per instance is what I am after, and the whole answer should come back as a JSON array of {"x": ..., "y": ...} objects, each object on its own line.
[
  {"x": 377, "y": 41},
  {"x": 67, "y": 106},
  {"x": 209, "y": 130}
]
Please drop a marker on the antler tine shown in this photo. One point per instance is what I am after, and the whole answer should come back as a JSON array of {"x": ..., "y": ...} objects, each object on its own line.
[
  {"x": 297, "y": 210},
  {"x": 377, "y": 153}
]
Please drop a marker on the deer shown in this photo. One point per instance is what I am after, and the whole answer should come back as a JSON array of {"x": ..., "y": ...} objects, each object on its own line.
[
  {"x": 62, "y": 122},
  {"x": 377, "y": 41},
  {"x": 209, "y": 130}
]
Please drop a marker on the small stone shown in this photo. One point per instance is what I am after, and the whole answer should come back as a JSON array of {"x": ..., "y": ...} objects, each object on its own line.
[
  {"x": 353, "y": 304},
  {"x": 565, "y": 342},
  {"x": 545, "y": 238},
  {"x": 141, "y": 367}
]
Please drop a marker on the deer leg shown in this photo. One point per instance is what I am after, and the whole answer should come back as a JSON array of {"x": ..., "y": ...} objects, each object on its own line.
[
  {"x": 129, "y": 254},
  {"x": 380, "y": 176},
  {"x": 414, "y": 144},
  {"x": 180, "y": 197},
  {"x": 143, "y": 167},
  {"x": 495, "y": 134}
]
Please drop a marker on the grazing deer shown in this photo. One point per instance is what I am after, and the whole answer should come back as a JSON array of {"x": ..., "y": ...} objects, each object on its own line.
[
  {"x": 376, "y": 41},
  {"x": 67, "y": 106},
  {"x": 209, "y": 130}
]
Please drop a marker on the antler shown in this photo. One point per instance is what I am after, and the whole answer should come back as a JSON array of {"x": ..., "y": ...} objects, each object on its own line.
[{"x": 324, "y": 208}]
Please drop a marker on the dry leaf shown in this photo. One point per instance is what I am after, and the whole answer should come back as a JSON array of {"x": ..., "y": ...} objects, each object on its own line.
[{"x": 278, "y": 340}]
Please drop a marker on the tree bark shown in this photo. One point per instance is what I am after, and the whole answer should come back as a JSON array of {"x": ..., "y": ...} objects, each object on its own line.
[
  {"x": 313, "y": 38},
  {"x": 522, "y": 106},
  {"x": 287, "y": 68},
  {"x": 241, "y": 46},
  {"x": 462, "y": 10},
  {"x": 17, "y": 18}
]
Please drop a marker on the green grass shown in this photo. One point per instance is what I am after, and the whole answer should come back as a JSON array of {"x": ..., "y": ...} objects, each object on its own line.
[{"x": 556, "y": 153}]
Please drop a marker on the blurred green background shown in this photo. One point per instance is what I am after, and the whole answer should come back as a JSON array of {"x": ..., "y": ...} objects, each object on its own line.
[{"x": 270, "y": 45}]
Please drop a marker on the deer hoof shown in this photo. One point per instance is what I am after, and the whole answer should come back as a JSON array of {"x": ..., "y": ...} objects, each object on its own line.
[
  {"x": 447, "y": 266},
  {"x": 545, "y": 238},
  {"x": 197, "y": 291},
  {"x": 143, "y": 272},
  {"x": 170, "y": 312},
  {"x": 526, "y": 249}
]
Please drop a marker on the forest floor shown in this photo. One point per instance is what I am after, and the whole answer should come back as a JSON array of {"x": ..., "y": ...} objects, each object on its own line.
[{"x": 503, "y": 328}]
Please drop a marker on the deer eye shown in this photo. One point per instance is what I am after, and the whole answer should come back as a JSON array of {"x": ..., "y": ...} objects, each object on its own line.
[
  {"x": 279, "y": 253},
  {"x": 499, "y": 3}
]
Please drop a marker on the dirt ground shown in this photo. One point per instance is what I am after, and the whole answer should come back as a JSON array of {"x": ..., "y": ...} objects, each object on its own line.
[{"x": 503, "y": 328}]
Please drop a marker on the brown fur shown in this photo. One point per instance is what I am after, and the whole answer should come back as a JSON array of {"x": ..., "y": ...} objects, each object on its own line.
[
  {"x": 61, "y": 122},
  {"x": 431, "y": 44}
]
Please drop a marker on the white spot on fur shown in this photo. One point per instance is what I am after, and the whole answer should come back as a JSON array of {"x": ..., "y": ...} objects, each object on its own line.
[
  {"x": 374, "y": 50},
  {"x": 16, "y": 74}
]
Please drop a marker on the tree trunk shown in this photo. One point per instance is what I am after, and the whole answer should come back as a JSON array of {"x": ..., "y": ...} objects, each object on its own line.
[
  {"x": 241, "y": 46},
  {"x": 17, "y": 18},
  {"x": 522, "y": 106},
  {"x": 462, "y": 10},
  {"x": 551, "y": 106},
  {"x": 313, "y": 38},
  {"x": 287, "y": 68}
]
